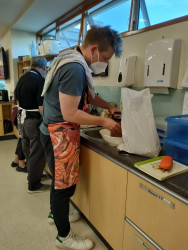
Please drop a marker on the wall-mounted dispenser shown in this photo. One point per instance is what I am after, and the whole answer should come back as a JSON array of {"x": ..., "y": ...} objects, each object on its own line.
[
  {"x": 126, "y": 71},
  {"x": 184, "y": 83},
  {"x": 162, "y": 63}
]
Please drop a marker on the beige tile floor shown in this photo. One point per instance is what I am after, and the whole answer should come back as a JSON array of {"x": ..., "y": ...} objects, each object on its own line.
[{"x": 23, "y": 216}]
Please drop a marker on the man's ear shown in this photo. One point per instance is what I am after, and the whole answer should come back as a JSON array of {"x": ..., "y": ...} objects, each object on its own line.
[{"x": 93, "y": 48}]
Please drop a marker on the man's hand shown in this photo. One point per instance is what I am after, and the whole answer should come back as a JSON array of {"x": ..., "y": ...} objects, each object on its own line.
[
  {"x": 112, "y": 125},
  {"x": 113, "y": 109},
  {"x": 99, "y": 102}
]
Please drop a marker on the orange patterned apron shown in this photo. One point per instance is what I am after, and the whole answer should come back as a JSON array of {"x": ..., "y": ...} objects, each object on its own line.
[{"x": 65, "y": 137}]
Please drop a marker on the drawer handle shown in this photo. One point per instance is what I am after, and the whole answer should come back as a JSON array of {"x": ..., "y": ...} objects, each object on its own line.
[
  {"x": 159, "y": 197},
  {"x": 153, "y": 243},
  {"x": 142, "y": 242}
]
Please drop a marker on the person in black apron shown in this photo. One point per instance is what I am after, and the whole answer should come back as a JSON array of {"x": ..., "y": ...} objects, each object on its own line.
[{"x": 28, "y": 94}]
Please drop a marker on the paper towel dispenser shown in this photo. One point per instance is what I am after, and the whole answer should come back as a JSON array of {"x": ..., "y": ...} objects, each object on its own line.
[
  {"x": 184, "y": 83},
  {"x": 126, "y": 71},
  {"x": 162, "y": 63}
]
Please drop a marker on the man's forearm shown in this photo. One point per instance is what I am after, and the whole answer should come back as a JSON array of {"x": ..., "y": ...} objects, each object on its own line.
[
  {"x": 99, "y": 102},
  {"x": 84, "y": 118}
]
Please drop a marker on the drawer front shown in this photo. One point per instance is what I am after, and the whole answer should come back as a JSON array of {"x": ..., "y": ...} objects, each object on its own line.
[
  {"x": 158, "y": 214},
  {"x": 135, "y": 239}
]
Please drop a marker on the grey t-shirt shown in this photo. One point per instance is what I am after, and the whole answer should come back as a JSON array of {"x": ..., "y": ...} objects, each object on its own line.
[{"x": 70, "y": 79}]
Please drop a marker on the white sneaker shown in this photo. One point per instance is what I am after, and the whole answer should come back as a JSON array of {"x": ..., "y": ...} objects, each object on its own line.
[
  {"x": 73, "y": 217},
  {"x": 73, "y": 241},
  {"x": 50, "y": 218}
]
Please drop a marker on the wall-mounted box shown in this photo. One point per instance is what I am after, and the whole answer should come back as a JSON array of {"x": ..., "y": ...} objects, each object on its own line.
[
  {"x": 184, "y": 83},
  {"x": 126, "y": 71},
  {"x": 162, "y": 63}
]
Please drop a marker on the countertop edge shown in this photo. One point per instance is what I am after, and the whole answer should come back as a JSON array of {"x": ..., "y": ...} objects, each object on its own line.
[{"x": 92, "y": 145}]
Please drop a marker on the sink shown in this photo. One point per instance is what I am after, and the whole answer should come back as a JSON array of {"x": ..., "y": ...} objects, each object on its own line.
[
  {"x": 93, "y": 133},
  {"x": 101, "y": 135}
]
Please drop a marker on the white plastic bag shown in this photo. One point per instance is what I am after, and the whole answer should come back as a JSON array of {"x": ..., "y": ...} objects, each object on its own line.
[{"x": 138, "y": 126}]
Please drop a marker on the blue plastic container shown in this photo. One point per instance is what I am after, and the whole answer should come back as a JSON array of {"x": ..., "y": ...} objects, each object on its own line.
[
  {"x": 177, "y": 128},
  {"x": 177, "y": 150}
]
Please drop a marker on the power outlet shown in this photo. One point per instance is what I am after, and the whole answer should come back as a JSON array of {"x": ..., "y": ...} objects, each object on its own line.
[{"x": 185, "y": 103}]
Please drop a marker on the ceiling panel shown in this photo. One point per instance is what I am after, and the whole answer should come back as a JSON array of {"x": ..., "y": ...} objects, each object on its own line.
[
  {"x": 10, "y": 10},
  {"x": 31, "y": 15},
  {"x": 43, "y": 12}
]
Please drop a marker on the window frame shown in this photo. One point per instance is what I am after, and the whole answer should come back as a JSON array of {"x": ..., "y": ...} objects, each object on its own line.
[{"x": 87, "y": 4}]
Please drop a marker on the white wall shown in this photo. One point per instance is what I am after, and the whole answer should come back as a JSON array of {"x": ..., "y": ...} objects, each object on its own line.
[
  {"x": 21, "y": 42},
  {"x": 17, "y": 43},
  {"x": 21, "y": 46},
  {"x": 136, "y": 45}
]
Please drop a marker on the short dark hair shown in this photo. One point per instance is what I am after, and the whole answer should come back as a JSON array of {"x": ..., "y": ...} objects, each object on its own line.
[
  {"x": 104, "y": 37},
  {"x": 38, "y": 61}
]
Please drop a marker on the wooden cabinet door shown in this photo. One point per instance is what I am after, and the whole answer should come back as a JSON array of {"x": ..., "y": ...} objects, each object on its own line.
[
  {"x": 133, "y": 240},
  {"x": 81, "y": 196},
  {"x": 158, "y": 214},
  {"x": 1, "y": 121},
  {"x": 5, "y": 114},
  {"x": 107, "y": 199}
]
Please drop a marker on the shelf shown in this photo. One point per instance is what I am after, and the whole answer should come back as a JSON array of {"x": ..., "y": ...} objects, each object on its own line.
[
  {"x": 26, "y": 68},
  {"x": 26, "y": 64},
  {"x": 11, "y": 133},
  {"x": 50, "y": 57}
]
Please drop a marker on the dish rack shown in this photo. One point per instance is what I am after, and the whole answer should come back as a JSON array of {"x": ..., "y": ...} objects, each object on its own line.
[{"x": 161, "y": 127}]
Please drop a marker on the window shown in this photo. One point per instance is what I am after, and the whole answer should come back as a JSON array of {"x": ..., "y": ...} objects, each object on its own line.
[
  {"x": 50, "y": 35},
  {"x": 121, "y": 15},
  {"x": 49, "y": 32},
  {"x": 154, "y": 12},
  {"x": 109, "y": 12},
  {"x": 68, "y": 33}
]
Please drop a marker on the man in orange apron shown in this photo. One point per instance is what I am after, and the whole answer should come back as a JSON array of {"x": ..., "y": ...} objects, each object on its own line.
[{"x": 67, "y": 83}]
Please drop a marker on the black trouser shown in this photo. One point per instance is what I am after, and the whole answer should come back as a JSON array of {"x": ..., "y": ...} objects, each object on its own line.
[
  {"x": 59, "y": 198},
  {"x": 34, "y": 152},
  {"x": 19, "y": 150}
]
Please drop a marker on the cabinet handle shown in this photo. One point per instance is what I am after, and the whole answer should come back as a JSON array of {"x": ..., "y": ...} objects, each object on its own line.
[
  {"x": 159, "y": 197},
  {"x": 142, "y": 242},
  {"x": 153, "y": 243}
]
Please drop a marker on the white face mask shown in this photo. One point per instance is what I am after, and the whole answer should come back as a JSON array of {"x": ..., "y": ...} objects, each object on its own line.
[{"x": 98, "y": 67}]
